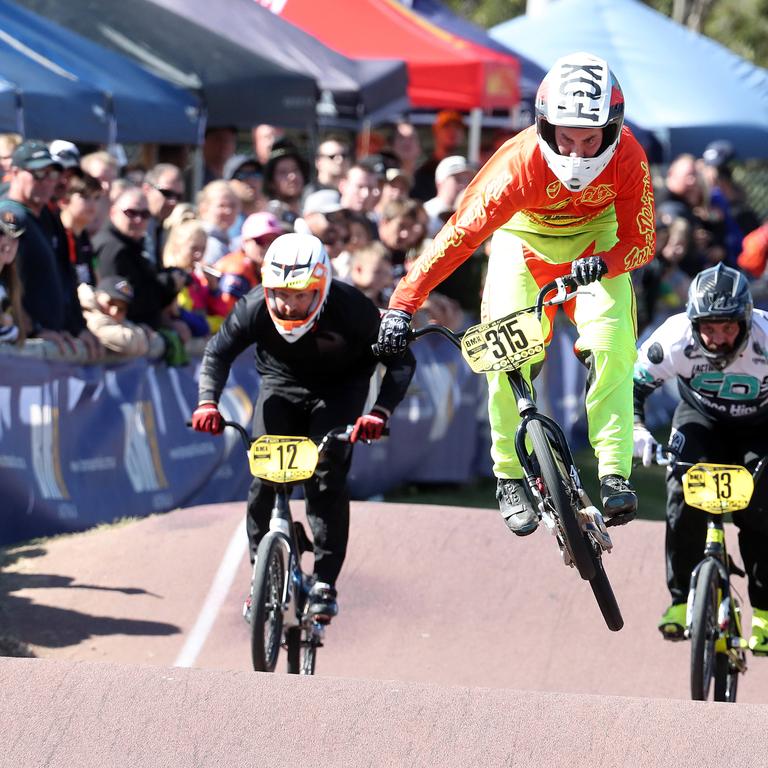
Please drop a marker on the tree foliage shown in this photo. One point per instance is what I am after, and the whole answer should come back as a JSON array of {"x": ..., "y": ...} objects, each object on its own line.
[{"x": 740, "y": 25}]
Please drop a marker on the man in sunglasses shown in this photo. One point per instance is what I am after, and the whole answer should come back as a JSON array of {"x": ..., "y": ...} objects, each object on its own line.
[
  {"x": 332, "y": 161},
  {"x": 163, "y": 186},
  {"x": 119, "y": 250},
  {"x": 48, "y": 279}
]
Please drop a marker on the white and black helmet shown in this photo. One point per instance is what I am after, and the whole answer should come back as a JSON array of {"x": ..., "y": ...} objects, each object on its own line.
[
  {"x": 580, "y": 91},
  {"x": 296, "y": 262},
  {"x": 720, "y": 293}
]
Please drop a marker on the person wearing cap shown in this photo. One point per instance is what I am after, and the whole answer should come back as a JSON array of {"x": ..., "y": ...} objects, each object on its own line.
[
  {"x": 727, "y": 198},
  {"x": 245, "y": 175},
  {"x": 332, "y": 160},
  {"x": 163, "y": 186},
  {"x": 241, "y": 270},
  {"x": 48, "y": 280},
  {"x": 452, "y": 176},
  {"x": 285, "y": 175},
  {"x": 570, "y": 196},
  {"x": 323, "y": 216},
  {"x": 106, "y": 311},
  {"x": 395, "y": 185},
  {"x": 67, "y": 155},
  {"x": 11, "y": 318},
  {"x": 449, "y": 136}
]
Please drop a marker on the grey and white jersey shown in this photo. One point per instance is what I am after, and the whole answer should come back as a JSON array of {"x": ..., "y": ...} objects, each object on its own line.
[{"x": 738, "y": 394}]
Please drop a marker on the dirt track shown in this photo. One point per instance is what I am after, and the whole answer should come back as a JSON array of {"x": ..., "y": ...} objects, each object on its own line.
[{"x": 430, "y": 595}]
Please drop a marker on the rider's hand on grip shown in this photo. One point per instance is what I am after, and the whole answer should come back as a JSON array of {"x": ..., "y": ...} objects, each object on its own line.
[
  {"x": 369, "y": 427},
  {"x": 207, "y": 418},
  {"x": 393, "y": 333},
  {"x": 644, "y": 444},
  {"x": 588, "y": 270}
]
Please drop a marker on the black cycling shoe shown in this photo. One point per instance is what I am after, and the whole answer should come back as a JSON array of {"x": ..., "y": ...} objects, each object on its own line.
[
  {"x": 321, "y": 602},
  {"x": 515, "y": 507},
  {"x": 619, "y": 500}
]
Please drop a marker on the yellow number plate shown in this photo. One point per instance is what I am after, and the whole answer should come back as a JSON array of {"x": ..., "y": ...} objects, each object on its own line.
[
  {"x": 505, "y": 344},
  {"x": 282, "y": 459},
  {"x": 717, "y": 488}
]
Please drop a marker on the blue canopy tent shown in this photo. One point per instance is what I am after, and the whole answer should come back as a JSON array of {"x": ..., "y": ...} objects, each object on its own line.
[
  {"x": 239, "y": 87},
  {"x": 51, "y": 102},
  {"x": 683, "y": 88},
  {"x": 135, "y": 106}
]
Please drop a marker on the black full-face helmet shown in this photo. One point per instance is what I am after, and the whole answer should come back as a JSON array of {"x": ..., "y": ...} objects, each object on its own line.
[{"x": 720, "y": 293}]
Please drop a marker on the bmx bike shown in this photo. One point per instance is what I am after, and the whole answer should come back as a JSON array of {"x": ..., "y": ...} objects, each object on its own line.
[
  {"x": 562, "y": 503},
  {"x": 713, "y": 611},
  {"x": 279, "y": 587}
]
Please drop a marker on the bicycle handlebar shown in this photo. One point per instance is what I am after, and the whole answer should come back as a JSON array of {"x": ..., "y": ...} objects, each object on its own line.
[
  {"x": 560, "y": 284},
  {"x": 342, "y": 434}
]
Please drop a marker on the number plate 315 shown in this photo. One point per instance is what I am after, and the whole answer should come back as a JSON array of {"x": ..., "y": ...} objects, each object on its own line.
[{"x": 504, "y": 344}]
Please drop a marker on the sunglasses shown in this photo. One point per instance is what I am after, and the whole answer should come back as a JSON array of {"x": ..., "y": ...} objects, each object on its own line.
[
  {"x": 41, "y": 174},
  {"x": 135, "y": 213},
  {"x": 336, "y": 156},
  {"x": 168, "y": 194}
]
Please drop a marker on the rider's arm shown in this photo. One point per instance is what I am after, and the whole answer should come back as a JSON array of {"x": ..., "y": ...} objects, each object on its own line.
[
  {"x": 236, "y": 334},
  {"x": 655, "y": 362},
  {"x": 496, "y": 192},
  {"x": 395, "y": 383}
]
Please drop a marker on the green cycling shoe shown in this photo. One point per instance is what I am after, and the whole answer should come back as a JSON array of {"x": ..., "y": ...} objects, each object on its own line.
[
  {"x": 758, "y": 641},
  {"x": 672, "y": 624}
]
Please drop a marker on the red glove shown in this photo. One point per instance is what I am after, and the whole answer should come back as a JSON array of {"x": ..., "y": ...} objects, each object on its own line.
[
  {"x": 207, "y": 418},
  {"x": 369, "y": 427}
]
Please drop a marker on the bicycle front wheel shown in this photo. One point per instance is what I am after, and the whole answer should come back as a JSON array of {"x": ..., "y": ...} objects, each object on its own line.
[
  {"x": 558, "y": 495},
  {"x": 606, "y": 600},
  {"x": 301, "y": 654},
  {"x": 704, "y": 630},
  {"x": 266, "y": 603}
]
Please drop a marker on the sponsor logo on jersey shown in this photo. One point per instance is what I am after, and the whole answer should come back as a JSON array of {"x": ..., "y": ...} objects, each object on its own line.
[{"x": 598, "y": 195}]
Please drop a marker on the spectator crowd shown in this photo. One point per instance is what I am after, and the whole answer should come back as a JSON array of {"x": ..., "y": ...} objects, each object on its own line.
[{"x": 99, "y": 257}]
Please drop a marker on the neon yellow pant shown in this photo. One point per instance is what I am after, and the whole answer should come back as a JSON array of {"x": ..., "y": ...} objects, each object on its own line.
[{"x": 604, "y": 314}]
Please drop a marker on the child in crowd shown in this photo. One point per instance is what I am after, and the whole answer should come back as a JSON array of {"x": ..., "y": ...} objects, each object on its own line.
[
  {"x": 198, "y": 304},
  {"x": 11, "y": 324},
  {"x": 371, "y": 272},
  {"x": 105, "y": 308},
  {"x": 78, "y": 206}
]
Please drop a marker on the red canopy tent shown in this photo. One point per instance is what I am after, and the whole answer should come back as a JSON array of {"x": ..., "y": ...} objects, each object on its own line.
[{"x": 444, "y": 71}]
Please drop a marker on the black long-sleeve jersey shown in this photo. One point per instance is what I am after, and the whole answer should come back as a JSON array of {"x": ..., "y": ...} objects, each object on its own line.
[{"x": 335, "y": 354}]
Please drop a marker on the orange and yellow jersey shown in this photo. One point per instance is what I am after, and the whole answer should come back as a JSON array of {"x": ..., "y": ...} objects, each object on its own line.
[{"x": 517, "y": 192}]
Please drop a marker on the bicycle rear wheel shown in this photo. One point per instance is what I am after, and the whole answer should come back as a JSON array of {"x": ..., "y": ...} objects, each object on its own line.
[
  {"x": 301, "y": 654},
  {"x": 558, "y": 494},
  {"x": 266, "y": 603},
  {"x": 704, "y": 630}
]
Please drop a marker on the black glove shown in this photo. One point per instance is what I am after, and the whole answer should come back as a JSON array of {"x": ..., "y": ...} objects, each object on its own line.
[
  {"x": 587, "y": 270},
  {"x": 393, "y": 333}
]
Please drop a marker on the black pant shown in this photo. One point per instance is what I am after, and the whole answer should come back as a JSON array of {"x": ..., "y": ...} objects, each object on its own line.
[
  {"x": 281, "y": 410},
  {"x": 701, "y": 439}
]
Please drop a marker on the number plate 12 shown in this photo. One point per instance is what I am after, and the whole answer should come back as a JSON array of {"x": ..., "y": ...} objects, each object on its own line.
[
  {"x": 504, "y": 344},
  {"x": 282, "y": 459}
]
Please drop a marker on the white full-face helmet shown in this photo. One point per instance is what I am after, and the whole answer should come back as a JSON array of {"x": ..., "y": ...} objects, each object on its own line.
[
  {"x": 580, "y": 91},
  {"x": 299, "y": 263}
]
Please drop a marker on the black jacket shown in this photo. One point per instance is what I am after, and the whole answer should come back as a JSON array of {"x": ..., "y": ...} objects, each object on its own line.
[
  {"x": 335, "y": 354},
  {"x": 118, "y": 254}
]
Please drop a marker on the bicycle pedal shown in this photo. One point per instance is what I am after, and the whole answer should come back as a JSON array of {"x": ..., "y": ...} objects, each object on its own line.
[{"x": 593, "y": 524}]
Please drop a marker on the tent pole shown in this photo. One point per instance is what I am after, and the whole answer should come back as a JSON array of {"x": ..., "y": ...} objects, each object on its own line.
[{"x": 475, "y": 126}]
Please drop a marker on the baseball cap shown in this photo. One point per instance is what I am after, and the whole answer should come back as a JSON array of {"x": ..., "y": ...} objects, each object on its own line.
[
  {"x": 446, "y": 117},
  {"x": 323, "y": 201},
  {"x": 260, "y": 224},
  {"x": 32, "y": 155},
  {"x": 236, "y": 162},
  {"x": 10, "y": 223},
  {"x": 116, "y": 287},
  {"x": 391, "y": 175},
  {"x": 65, "y": 153},
  {"x": 451, "y": 166},
  {"x": 719, "y": 153}
]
